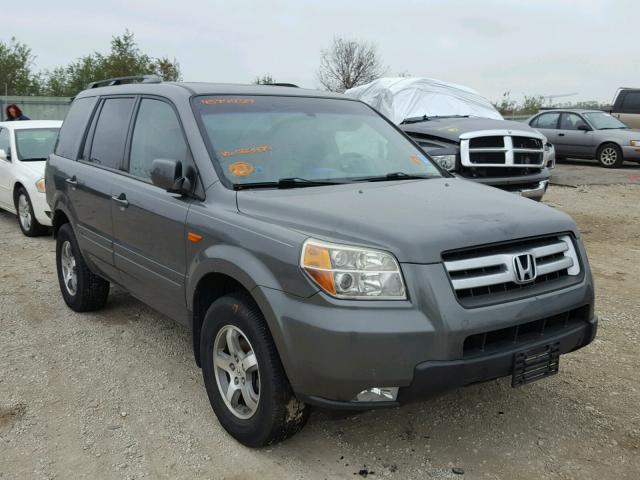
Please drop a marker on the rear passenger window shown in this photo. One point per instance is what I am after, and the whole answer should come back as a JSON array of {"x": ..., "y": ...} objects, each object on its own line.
[
  {"x": 107, "y": 148},
  {"x": 631, "y": 103},
  {"x": 547, "y": 120},
  {"x": 74, "y": 126},
  {"x": 156, "y": 134}
]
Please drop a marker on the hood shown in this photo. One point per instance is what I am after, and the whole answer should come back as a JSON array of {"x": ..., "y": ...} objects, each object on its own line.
[
  {"x": 415, "y": 220},
  {"x": 35, "y": 168},
  {"x": 623, "y": 135},
  {"x": 452, "y": 128},
  {"x": 402, "y": 98}
]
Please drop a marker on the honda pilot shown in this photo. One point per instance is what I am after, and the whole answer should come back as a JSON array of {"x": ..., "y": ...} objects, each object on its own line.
[{"x": 316, "y": 254}]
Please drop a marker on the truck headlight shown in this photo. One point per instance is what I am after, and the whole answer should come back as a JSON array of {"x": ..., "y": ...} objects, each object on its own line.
[
  {"x": 40, "y": 186},
  {"x": 353, "y": 272},
  {"x": 448, "y": 162}
]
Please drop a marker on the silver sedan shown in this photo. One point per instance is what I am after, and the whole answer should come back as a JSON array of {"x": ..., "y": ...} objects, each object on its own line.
[{"x": 588, "y": 134}]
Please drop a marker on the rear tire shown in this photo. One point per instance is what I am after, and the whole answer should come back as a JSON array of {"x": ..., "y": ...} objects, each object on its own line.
[
  {"x": 610, "y": 156},
  {"x": 26, "y": 218},
  {"x": 250, "y": 368},
  {"x": 82, "y": 290}
]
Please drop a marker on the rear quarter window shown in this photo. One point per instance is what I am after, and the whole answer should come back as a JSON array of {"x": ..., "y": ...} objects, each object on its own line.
[{"x": 74, "y": 127}]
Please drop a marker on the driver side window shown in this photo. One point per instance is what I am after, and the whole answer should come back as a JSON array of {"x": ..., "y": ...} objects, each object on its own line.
[{"x": 157, "y": 134}]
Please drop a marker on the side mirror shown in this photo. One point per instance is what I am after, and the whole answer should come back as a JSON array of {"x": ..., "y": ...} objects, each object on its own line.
[
  {"x": 584, "y": 127},
  {"x": 4, "y": 155},
  {"x": 167, "y": 174}
]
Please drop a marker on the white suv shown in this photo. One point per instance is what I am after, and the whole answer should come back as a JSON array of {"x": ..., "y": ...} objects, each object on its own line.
[{"x": 24, "y": 149}]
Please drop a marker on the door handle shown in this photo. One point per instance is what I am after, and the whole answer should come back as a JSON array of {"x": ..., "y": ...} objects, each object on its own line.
[
  {"x": 121, "y": 200},
  {"x": 72, "y": 181},
  {"x": 561, "y": 134}
]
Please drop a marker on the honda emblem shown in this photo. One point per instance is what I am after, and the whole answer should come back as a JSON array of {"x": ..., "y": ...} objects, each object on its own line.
[{"x": 524, "y": 268}]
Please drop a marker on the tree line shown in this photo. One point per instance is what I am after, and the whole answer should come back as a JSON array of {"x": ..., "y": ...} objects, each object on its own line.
[
  {"x": 347, "y": 63},
  {"x": 19, "y": 77}
]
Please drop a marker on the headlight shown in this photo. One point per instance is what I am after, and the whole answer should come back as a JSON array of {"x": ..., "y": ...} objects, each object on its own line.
[
  {"x": 352, "y": 272},
  {"x": 635, "y": 143},
  {"x": 40, "y": 185},
  {"x": 547, "y": 147},
  {"x": 448, "y": 162}
]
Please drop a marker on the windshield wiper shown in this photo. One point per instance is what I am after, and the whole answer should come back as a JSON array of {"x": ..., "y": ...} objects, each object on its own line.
[
  {"x": 34, "y": 159},
  {"x": 395, "y": 176},
  {"x": 289, "y": 182},
  {"x": 425, "y": 118},
  {"x": 613, "y": 128}
]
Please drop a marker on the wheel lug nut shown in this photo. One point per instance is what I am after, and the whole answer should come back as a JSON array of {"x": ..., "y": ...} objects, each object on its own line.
[
  {"x": 232, "y": 366},
  {"x": 235, "y": 380}
]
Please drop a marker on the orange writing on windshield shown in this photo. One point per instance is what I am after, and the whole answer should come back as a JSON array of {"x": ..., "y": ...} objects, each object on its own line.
[
  {"x": 246, "y": 151},
  {"x": 224, "y": 100}
]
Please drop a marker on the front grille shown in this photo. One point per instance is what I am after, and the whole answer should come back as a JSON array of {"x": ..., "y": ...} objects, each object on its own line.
[
  {"x": 486, "y": 343},
  {"x": 487, "y": 157},
  {"x": 489, "y": 273},
  {"x": 498, "y": 148}
]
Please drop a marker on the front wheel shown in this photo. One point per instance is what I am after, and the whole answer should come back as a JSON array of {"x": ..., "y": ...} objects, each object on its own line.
[
  {"x": 610, "y": 155},
  {"x": 26, "y": 218},
  {"x": 246, "y": 383}
]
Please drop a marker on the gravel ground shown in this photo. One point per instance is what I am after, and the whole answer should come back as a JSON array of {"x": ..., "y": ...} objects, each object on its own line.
[{"x": 116, "y": 394}]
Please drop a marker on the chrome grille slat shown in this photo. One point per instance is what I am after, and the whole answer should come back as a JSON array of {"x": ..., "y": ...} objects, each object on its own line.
[
  {"x": 551, "y": 267},
  {"x": 494, "y": 273}
]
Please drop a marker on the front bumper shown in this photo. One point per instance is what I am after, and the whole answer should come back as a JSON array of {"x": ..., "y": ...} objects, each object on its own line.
[
  {"x": 631, "y": 153},
  {"x": 333, "y": 349},
  {"x": 432, "y": 378},
  {"x": 41, "y": 208},
  {"x": 529, "y": 186}
]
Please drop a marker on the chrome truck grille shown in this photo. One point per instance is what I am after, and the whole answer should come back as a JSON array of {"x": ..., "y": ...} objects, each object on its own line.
[
  {"x": 502, "y": 148},
  {"x": 513, "y": 270}
]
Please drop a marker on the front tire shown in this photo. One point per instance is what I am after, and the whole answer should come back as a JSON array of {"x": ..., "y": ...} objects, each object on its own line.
[
  {"x": 26, "y": 218},
  {"x": 82, "y": 290},
  {"x": 246, "y": 383},
  {"x": 610, "y": 156}
]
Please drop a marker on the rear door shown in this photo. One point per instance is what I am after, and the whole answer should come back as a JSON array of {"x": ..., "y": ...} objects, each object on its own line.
[
  {"x": 149, "y": 223},
  {"x": 571, "y": 140},
  {"x": 629, "y": 108},
  {"x": 547, "y": 124},
  {"x": 92, "y": 179},
  {"x": 6, "y": 175}
]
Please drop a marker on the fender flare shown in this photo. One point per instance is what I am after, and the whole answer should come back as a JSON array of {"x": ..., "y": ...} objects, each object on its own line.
[{"x": 235, "y": 262}]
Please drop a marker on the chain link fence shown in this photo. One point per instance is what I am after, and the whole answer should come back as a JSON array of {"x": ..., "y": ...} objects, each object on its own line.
[{"x": 37, "y": 108}]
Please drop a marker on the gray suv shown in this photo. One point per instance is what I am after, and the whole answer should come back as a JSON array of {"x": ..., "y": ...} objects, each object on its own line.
[{"x": 315, "y": 252}]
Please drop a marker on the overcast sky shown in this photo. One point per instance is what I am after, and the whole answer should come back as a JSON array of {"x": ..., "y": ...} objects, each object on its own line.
[{"x": 590, "y": 47}]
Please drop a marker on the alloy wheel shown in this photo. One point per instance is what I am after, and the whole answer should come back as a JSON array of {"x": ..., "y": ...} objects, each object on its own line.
[
  {"x": 609, "y": 156},
  {"x": 24, "y": 212},
  {"x": 68, "y": 264},
  {"x": 236, "y": 371}
]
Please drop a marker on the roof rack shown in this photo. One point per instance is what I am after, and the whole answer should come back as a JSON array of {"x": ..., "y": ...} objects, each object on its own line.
[
  {"x": 123, "y": 80},
  {"x": 281, "y": 85}
]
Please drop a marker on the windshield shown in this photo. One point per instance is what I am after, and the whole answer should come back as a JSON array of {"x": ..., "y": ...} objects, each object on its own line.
[
  {"x": 604, "y": 121},
  {"x": 264, "y": 139},
  {"x": 35, "y": 144}
]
